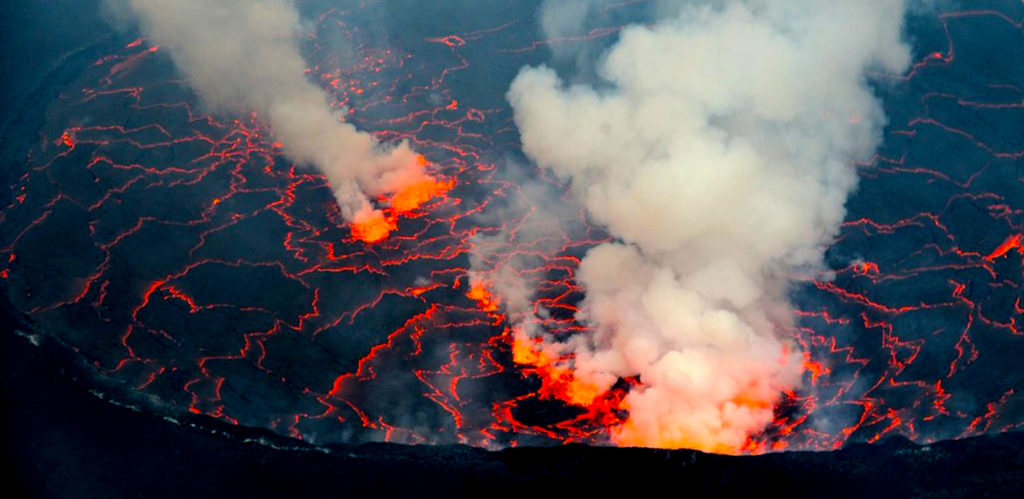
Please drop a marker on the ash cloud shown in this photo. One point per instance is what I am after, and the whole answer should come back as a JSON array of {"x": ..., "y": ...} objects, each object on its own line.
[
  {"x": 718, "y": 150},
  {"x": 242, "y": 55}
]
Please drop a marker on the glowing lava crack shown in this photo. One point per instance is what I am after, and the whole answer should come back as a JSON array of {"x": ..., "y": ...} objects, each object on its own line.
[{"x": 197, "y": 264}]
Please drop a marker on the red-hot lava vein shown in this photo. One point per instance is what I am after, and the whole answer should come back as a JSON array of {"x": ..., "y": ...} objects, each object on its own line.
[
  {"x": 197, "y": 270},
  {"x": 919, "y": 327}
]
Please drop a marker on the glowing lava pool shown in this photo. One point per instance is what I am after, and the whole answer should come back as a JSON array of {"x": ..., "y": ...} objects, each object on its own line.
[{"x": 193, "y": 269}]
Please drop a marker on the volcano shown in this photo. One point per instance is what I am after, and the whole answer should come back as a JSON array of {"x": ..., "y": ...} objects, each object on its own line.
[{"x": 185, "y": 266}]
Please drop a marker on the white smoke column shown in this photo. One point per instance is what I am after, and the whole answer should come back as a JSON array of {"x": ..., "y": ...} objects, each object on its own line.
[
  {"x": 719, "y": 154},
  {"x": 242, "y": 55}
]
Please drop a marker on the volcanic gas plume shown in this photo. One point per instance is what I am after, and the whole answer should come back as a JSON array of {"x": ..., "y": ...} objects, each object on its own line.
[
  {"x": 242, "y": 55},
  {"x": 718, "y": 152},
  {"x": 679, "y": 259}
]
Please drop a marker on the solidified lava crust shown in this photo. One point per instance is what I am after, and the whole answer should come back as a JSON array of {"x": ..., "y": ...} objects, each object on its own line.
[{"x": 194, "y": 269}]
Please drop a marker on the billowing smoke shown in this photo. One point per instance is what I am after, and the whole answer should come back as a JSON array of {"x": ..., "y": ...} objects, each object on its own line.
[
  {"x": 719, "y": 151},
  {"x": 242, "y": 55}
]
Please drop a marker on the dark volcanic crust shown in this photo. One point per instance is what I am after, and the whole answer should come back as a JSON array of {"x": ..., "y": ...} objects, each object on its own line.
[
  {"x": 64, "y": 442},
  {"x": 918, "y": 334}
]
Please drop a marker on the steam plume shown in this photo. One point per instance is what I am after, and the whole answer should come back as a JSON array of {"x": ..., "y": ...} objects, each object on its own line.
[
  {"x": 719, "y": 152},
  {"x": 243, "y": 55}
]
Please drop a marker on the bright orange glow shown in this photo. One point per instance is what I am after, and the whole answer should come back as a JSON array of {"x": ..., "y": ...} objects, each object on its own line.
[
  {"x": 1016, "y": 241},
  {"x": 632, "y": 434},
  {"x": 628, "y": 436},
  {"x": 866, "y": 268},
  {"x": 67, "y": 140},
  {"x": 423, "y": 289},
  {"x": 815, "y": 368},
  {"x": 610, "y": 406},
  {"x": 557, "y": 380},
  {"x": 483, "y": 297},
  {"x": 373, "y": 227},
  {"x": 413, "y": 196},
  {"x": 378, "y": 225}
]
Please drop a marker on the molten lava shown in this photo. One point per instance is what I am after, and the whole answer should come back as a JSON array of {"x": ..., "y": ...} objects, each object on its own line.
[
  {"x": 374, "y": 226},
  {"x": 411, "y": 197},
  {"x": 558, "y": 380},
  {"x": 264, "y": 312},
  {"x": 484, "y": 298},
  {"x": 1015, "y": 241}
]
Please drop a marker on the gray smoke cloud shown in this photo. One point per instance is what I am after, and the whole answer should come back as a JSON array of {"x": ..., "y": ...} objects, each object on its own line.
[
  {"x": 718, "y": 151},
  {"x": 242, "y": 55},
  {"x": 569, "y": 19}
]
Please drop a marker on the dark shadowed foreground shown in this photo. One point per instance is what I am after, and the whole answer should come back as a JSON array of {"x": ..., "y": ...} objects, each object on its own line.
[{"x": 64, "y": 442}]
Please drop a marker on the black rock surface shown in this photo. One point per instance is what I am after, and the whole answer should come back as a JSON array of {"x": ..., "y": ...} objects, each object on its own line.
[{"x": 62, "y": 441}]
